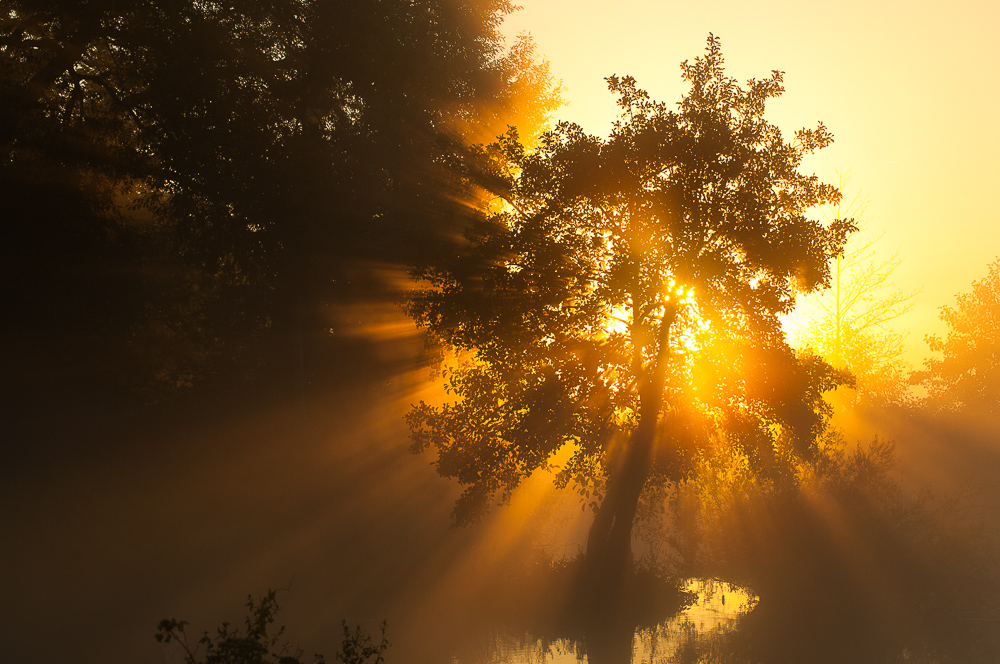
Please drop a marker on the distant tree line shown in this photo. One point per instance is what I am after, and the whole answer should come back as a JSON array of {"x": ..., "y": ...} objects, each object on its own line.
[{"x": 965, "y": 379}]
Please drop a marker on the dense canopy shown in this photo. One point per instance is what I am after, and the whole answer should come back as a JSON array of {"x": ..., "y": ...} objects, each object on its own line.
[
  {"x": 184, "y": 180},
  {"x": 620, "y": 299}
]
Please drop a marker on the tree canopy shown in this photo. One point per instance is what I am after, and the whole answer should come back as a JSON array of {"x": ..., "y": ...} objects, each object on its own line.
[
  {"x": 183, "y": 178},
  {"x": 621, "y": 297}
]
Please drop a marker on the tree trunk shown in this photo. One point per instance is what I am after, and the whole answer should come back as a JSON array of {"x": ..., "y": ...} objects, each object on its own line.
[{"x": 609, "y": 542}]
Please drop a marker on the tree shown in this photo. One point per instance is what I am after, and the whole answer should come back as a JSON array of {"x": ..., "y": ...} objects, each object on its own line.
[
  {"x": 851, "y": 321},
  {"x": 622, "y": 300},
  {"x": 966, "y": 378},
  {"x": 188, "y": 180}
]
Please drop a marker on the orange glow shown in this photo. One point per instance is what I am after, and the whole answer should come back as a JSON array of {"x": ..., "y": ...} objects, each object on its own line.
[
  {"x": 618, "y": 320},
  {"x": 915, "y": 128}
]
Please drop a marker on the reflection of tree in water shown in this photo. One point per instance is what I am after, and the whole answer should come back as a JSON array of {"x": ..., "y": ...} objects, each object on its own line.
[
  {"x": 544, "y": 607},
  {"x": 850, "y": 568},
  {"x": 760, "y": 637},
  {"x": 675, "y": 632}
]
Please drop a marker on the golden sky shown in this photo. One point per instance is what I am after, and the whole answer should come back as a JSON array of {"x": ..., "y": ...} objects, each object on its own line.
[{"x": 910, "y": 90}]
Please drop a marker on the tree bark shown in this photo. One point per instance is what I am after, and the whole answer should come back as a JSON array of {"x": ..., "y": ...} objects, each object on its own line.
[{"x": 609, "y": 542}]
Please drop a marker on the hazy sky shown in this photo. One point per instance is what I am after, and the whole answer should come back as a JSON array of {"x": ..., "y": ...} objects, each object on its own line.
[{"x": 911, "y": 92}]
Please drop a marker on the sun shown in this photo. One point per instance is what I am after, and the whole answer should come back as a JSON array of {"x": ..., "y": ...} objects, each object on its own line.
[
  {"x": 690, "y": 336},
  {"x": 618, "y": 320}
]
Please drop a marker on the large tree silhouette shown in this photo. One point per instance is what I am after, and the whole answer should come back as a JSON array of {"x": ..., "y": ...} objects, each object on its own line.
[
  {"x": 184, "y": 178},
  {"x": 621, "y": 298}
]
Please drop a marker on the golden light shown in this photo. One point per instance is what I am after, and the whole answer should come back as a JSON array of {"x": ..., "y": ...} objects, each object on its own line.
[
  {"x": 618, "y": 320},
  {"x": 911, "y": 194}
]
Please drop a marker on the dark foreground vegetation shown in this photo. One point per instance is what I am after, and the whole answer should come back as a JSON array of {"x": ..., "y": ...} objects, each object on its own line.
[{"x": 259, "y": 643}]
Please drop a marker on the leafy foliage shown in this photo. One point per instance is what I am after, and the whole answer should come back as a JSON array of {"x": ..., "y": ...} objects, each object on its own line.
[
  {"x": 252, "y": 645},
  {"x": 183, "y": 179},
  {"x": 359, "y": 648},
  {"x": 255, "y": 645},
  {"x": 626, "y": 290},
  {"x": 966, "y": 378}
]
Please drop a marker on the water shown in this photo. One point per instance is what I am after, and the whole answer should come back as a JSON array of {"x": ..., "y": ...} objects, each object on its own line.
[{"x": 718, "y": 607}]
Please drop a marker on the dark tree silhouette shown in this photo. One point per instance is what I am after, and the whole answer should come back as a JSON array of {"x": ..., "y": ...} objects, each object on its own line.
[
  {"x": 622, "y": 298},
  {"x": 181, "y": 178},
  {"x": 966, "y": 378}
]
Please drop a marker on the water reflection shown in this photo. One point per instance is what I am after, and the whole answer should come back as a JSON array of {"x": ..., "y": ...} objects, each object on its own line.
[
  {"x": 715, "y": 623},
  {"x": 717, "y": 603},
  {"x": 713, "y": 608}
]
